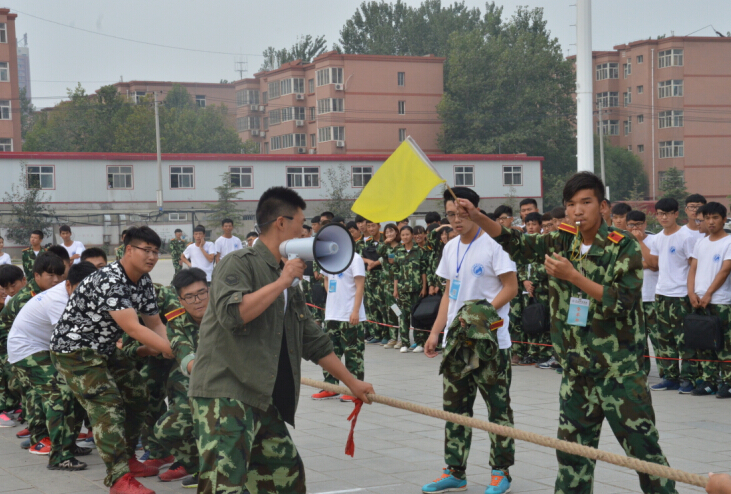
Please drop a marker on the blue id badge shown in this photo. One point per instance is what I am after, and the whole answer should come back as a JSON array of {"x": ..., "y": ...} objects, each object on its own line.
[
  {"x": 454, "y": 289},
  {"x": 578, "y": 312},
  {"x": 333, "y": 286}
]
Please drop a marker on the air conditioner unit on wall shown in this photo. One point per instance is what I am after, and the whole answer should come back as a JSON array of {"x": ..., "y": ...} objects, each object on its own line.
[
  {"x": 300, "y": 96},
  {"x": 338, "y": 87},
  {"x": 261, "y": 108},
  {"x": 262, "y": 134},
  {"x": 313, "y": 151},
  {"x": 255, "y": 132},
  {"x": 254, "y": 108},
  {"x": 299, "y": 123},
  {"x": 301, "y": 150},
  {"x": 339, "y": 144}
]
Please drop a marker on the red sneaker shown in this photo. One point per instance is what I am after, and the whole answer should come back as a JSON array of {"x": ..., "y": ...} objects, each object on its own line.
[
  {"x": 129, "y": 485},
  {"x": 85, "y": 435},
  {"x": 325, "y": 395},
  {"x": 23, "y": 434},
  {"x": 347, "y": 398},
  {"x": 161, "y": 463},
  {"x": 137, "y": 469},
  {"x": 43, "y": 447},
  {"x": 175, "y": 472}
]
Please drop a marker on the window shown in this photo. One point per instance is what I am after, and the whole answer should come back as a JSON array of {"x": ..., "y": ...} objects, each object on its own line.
[
  {"x": 287, "y": 114},
  {"x": 628, "y": 126},
  {"x": 328, "y": 105},
  {"x": 362, "y": 175},
  {"x": 300, "y": 140},
  {"x": 607, "y": 99},
  {"x": 629, "y": 148},
  {"x": 402, "y": 78},
  {"x": 401, "y": 135},
  {"x": 338, "y": 133},
  {"x": 3, "y": 33},
  {"x": 323, "y": 77},
  {"x": 273, "y": 90},
  {"x": 4, "y": 77},
  {"x": 640, "y": 89},
  {"x": 313, "y": 140},
  {"x": 5, "y": 110},
  {"x": 671, "y": 118},
  {"x": 181, "y": 177},
  {"x": 177, "y": 216},
  {"x": 264, "y": 97},
  {"x": 627, "y": 96},
  {"x": 298, "y": 85},
  {"x": 266, "y": 148},
  {"x": 241, "y": 177},
  {"x": 324, "y": 134},
  {"x": 512, "y": 175},
  {"x": 299, "y": 176},
  {"x": 402, "y": 108},
  {"x": 40, "y": 177},
  {"x": 200, "y": 100},
  {"x": 609, "y": 127},
  {"x": 311, "y": 86},
  {"x": 669, "y": 89},
  {"x": 640, "y": 59},
  {"x": 640, "y": 119},
  {"x": 671, "y": 149},
  {"x": 139, "y": 96},
  {"x": 627, "y": 68},
  {"x": 247, "y": 123},
  {"x": 299, "y": 112},
  {"x": 670, "y": 58},
  {"x": 337, "y": 75},
  {"x": 275, "y": 117},
  {"x": 265, "y": 123},
  {"x": 247, "y": 97},
  {"x": 119, "y": 177},
  {"x": 640, "y": 148},
  {"x": 338, "y": 104},
  {"x": 312, "y": 113},
  {"x": 465, "y": 175},
  {"x": 285, "y": 87},
  {"x": 6, "y": 145},
  {"x": 607, "y": 71}
]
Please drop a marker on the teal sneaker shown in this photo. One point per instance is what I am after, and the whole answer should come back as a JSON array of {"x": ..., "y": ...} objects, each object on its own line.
[
  {"x": 499, "y": 483},
  {"x": 446, "y": 483}
]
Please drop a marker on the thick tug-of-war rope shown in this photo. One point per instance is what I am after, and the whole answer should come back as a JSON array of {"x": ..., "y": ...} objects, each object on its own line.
[{"x": 532, "y": 437}]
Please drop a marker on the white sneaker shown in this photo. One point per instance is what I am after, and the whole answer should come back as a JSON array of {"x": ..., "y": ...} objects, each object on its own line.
[
  {"x": 419, "y": 349},
  {"x": 390, "y": 344},
  {"x": 404, "y": 349},
  {"x": 397, "y": 345}
]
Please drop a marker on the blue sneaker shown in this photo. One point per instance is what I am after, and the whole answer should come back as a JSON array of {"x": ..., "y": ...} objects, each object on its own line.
[
  {"x": 373, "y": 341},
  {"x": 384, "y": 341},
  {"x": 499, "y": 483},
  {"x": 446, "y": 483},
  {"x": 665, "y": 384},
  {"x": 145, "y": 456},
  {"x": 412, "y": 346},
  {"x": 686, "y": 387}
]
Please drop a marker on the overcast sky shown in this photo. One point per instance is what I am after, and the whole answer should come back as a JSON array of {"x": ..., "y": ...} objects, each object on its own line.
[{"x": 61, "y": 56}]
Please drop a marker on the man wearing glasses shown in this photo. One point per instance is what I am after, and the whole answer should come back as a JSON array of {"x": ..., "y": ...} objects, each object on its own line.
[{"x": 692, "y": 204}]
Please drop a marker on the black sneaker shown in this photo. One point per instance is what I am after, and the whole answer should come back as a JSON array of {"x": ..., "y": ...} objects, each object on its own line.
[
  {"x": 191, "y": 481},
  {"x": 724, "y": 391},
  {"x": 79, "y": 451},
  {"x": 69, "y": 465},
  {"x": 705, "y": 389},
  {"x": 527, "y": 360}
]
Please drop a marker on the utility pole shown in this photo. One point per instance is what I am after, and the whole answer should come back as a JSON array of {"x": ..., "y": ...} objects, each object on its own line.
[
  {"x": 159, "y": 156},
  {"x": 584, "y": 88}
]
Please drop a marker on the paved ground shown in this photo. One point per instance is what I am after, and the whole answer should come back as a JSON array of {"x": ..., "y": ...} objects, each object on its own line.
[{"x": 397, "y": 451}]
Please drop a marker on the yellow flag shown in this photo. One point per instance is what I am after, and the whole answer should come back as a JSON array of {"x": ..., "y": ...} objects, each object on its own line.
[{"x": 399, "y": 185}]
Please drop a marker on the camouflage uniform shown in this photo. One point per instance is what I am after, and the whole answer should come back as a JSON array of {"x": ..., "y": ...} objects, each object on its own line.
[
  {"x": 434, "y": 242},
  {"x": 119, "y": 252},
  {"x": 409, "y": 266},
  {"x": 536, "y": 274},
  {"x": 348, "y": 341},
  {"x": 317, "y": 313},
  {"x": 602, "y": 363},
  {"x": 516, "y": 325},
  {"x": 373, "y": 297},
  {"x": 671, "y": 341},
  {"x": 29, "y": 259},
  {"x": 651, "y": 324},
  {"x": 724, "y": 354},
  {"x": 709, "y": 369},
  {"x": 177, "y": 247},
  {"x": 472, "y": 362},
  {"x": 385, "y": 251}
]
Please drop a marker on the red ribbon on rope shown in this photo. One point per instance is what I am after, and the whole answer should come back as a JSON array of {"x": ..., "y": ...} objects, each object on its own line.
[{"x": 350, "y": 445}]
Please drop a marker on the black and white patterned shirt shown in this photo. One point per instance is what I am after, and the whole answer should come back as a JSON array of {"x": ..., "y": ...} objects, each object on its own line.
[{"x": 87, "y": 322}]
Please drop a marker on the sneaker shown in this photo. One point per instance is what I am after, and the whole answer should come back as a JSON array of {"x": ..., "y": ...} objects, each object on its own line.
[
  {"x": 129, "y": 485},
  {"x": 527, "y": 360},
  {"x": 14, "y": 414},
  {"x": 446, "y": 483},
  {"x": 374, "y": 341},
  {"x": 499, "y": 483},
  {"x": 79, "y": 451},
  {"x": 7, "y": 421},
  {"x": 83, "y": 436},
  {"x": 419, "y": 349},
  {"x": 42, "y": 447},
  {"x": 686, "y": 387},
  {"x": 175, "y": 472},
  {"x": 724, "y": 391},
  {"x": 515, "y": 359},
  {"x": 160, "y": 463},
  {"x": 145, "y": 456},
  {"x": 70, "y": 465},
  {"x": 384, "y": 341},
  {"x": 548, "y": 364},
  {"x": 25, "y": 444},
  {"x": 705, "y": 389},
  {"x": 23, "y": 434},
  {"x": 325, "y": 395},
  {"x": 369, "y": 339},
  {"x": 191, "y": 482},
  {"x": 397, "y": 345},
  {"x": 404, "y": 349},
  {"x": 412, "y": 347},
  {"x": 347, "y": 398},
  {"x": 139, "y": 446},
  {"x": 390, "y": 344},
  {"x": 665, "y": 384},
  {"x": 137, "y": 469}
]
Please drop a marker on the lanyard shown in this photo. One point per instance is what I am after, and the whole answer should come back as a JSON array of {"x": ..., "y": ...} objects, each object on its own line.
[{"x": 459, "y": 262}]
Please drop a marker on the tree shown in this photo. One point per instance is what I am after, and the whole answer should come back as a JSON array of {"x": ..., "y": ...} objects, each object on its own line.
[
  {"x": 26, "y": 113},
  {"x": 625, "y": 174},
  {"x": 673, "y": 185},
  {"x": 305, "y": 49},
  {"x": 338, "y": 199},
  {"x": 225, "y": 207},
  {"x": 178, "y": 97},
  {"x": 375, "y": 29},
  {"x": 30, "y": 209},
  {"x": 250, "y": 146}
]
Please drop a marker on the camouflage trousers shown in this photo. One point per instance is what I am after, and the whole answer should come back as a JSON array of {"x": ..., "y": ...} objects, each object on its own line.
[
  {"x": 348, "y": 341},
  {"x": 55, "y": 411},
  {"x": 406, "y": 301},
  {"x": 10, "y": 389},
  {"x": 177, "y": 265},
  {"x": 626, "y": 404},
  {"x": 154, "y": 372},
  {"x": 651, "y": 325},
  {"x": 174, "y": 433},
  {"x": 671, "y": 341},
  {"x": 241, "y": 445},
  {"x": 114, "y": 396},
  {"x": 539, "y": 346},
  {"x": 374, "y": 305},
  {"x": 459, "y": 397},
  {"x": 713, "y": 371},
  {"x": 516, "y": 327},
  {"x": 389, "y": 316},
  {"x": 307, "y": 292}
]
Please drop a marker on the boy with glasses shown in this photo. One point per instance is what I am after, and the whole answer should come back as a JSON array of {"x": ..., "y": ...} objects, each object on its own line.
[{"x": 693, "y": 203}]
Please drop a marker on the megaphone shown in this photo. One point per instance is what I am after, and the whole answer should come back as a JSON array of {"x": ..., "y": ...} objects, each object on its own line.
[{"x": 332, "y": 247}]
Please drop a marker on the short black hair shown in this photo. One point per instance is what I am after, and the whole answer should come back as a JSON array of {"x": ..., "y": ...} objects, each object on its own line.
[
  {"x": 142, "y": 234},
  {"x": 491, "y": 216},
  {"x": 462, "y": 193},
  {"x": 359, "y": 218},
  {"x": 483, "y": 211},
  {"x": 374, "y": 222},
  {"x": 187, "y": 277},
  {"x": 9, "y": 274},
  {"x": 276, "y": 202},
  {"x": 667, "y": 204},
  {"x": 583, "y": 181},
  {"x": 227, "y": 220},
  {"x": 338, "y": 219},
  {"x": 695, "y": 198},
  {"x": 254, "y": 234},
  {"x": 636, "y": 215},
  {"x": 351, "y": 224},
  {"x": 79, "y": 271},
  {"x": 431, "y": 227},
  {"x": 93, "y": 252},
  {"x": 124, "y": 232},
  {"x": 406, "y": 227},
  {"x": 432, "y": 217},
  {"x": 419, "y": 229},
  {"x": 713, "y": 208},
  {"x": 178, "y": 230},
  {"x": 306, "y": 227},
  {"x": 48, "y": 262},
  {"x": 503, "y": 209},
  {"x": 444, "y": 221},
  {"x": 558, "y": 213},
  {"x": 64, "y": 228},
  {"x": 546, "y": 217},
  {"x": 316, "y": 219},
  {"x": 621, "y": 209},
  {"x": 535, "y": 216},
  {"x": 37, "y": 232},
  {"x": 60, "y": 251},
  {"x": 199, "y": 228},
  {"x": 528, "y": 201},
  {"x": 327, "y": 214}
]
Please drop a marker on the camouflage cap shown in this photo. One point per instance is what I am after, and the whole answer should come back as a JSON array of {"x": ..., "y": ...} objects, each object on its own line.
[{"x": 480, "y": 318}]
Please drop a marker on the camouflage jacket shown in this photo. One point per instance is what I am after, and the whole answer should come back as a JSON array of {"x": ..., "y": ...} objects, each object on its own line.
[
  {"x": 374, "y": 275},
  {"x": 613, "y": 343},
  {"x": 168, "y": 304},
  {"x": 28, "y": 260},
  {"x": 183, "y": 335},
  {"x": 384, "y": 251},
  {"x": 11, "y": 310},
  {"x": 409, "y": 266},
  {"x": 472, "y": 346},
  {"x": 434, "y": 241},
  {"x": 177, "y": 247},
  {"x": 119, "y": 252},
  {"x": 534, "y": 272}
]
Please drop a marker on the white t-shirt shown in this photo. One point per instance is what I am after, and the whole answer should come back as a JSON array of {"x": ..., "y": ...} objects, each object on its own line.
[
  {"x": 478, "y": 277},
  {"x": 673, "y": 252},
  {"x": 341, "y": 292},
  {"x": 227, "y": 245},
  {"x": 34, "y": 324},
  {"x": 76, "y": 248},
  {"x": 649, "y": 279},
  {"x": 696, "y": 235},
  {"x": 5, "y": 259},
  {"x": 710, "y": 257},
  {"x": 198, "y": 260}
]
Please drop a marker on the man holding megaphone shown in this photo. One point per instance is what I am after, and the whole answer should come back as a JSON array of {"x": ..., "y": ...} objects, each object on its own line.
[{"x": 246, "y": 380}]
